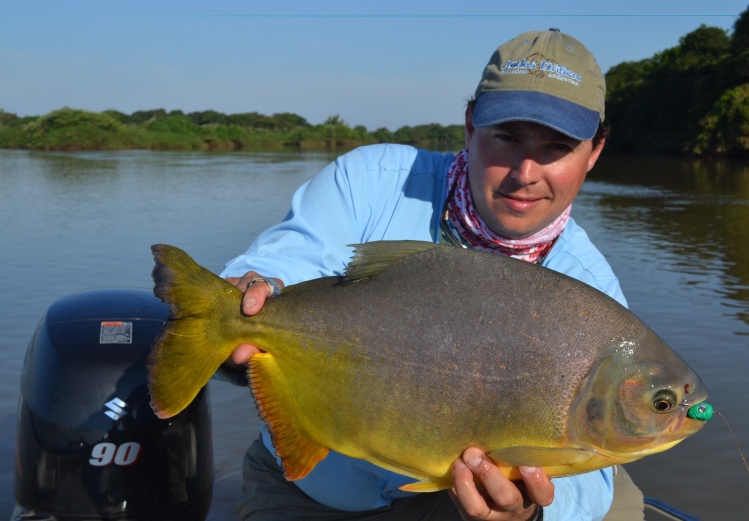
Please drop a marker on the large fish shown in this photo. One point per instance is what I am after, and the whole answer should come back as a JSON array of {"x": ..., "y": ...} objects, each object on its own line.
[{"x": 422, "y": 350}]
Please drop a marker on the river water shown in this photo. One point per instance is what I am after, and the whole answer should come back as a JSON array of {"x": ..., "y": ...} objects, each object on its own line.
[{"x": 676, "y": 232}]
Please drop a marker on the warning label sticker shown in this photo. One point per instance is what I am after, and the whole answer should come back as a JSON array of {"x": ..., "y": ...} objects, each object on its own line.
[{"x": 116, "y": 333}]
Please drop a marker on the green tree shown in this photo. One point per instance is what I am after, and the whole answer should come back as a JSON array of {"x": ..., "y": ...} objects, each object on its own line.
[
  {"x": 71, "y": 129},
  {"x": 11, "y": 132},
  {"x": 740, "y": 36},
  {"x": 142, "y": 116},
  {"x": 383, "y": 135},
  {"x": 725, "y": 130},
  {"x": 656, "y": 105},
  {"x": 289, "y": 121},
  {"x": 702, "y": 48}
]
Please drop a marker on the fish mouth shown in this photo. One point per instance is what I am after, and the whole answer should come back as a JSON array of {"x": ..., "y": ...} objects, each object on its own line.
[{"x": 684, "y": 425}]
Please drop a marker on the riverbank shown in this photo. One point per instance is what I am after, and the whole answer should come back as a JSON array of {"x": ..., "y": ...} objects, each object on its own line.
[{"x": 70, "y": 129}]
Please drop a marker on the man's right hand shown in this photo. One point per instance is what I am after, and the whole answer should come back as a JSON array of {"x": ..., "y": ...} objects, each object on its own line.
[{"x": 252, "y": 302}]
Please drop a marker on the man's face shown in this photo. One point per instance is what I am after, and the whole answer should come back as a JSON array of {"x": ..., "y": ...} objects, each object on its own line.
[{"x": 523, "y": 175}]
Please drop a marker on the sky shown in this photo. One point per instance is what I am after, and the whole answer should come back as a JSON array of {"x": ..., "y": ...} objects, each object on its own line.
[{"x": 377, "y": 63}]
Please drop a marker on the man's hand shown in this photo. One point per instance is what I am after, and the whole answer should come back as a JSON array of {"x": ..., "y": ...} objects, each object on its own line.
[
  {"x": 252, "y": 302},
  {"x": 497, "y": 498}
]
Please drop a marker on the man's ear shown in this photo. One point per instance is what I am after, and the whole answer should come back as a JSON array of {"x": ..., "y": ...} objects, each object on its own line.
[
  {"x": 469, "y": 128},
  {"x": 595, "y": 154}
]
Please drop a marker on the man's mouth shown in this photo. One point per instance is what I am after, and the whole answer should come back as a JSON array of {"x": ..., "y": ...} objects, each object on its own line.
[{"x": 519, "y": 203}]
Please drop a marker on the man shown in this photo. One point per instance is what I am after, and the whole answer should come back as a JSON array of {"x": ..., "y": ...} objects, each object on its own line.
[{"x": 533, "y": 131}]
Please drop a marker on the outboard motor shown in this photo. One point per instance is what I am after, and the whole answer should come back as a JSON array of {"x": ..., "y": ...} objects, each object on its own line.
[{"x": 88, "y": 445}]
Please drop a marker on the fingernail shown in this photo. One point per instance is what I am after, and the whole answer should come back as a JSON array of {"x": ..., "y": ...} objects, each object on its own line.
[
  {"x": 472, "y": 459},
  {"x": 248, "y": 304},
  {"x": 528, "y": 470},
  {"x": 459, "y": 465}
]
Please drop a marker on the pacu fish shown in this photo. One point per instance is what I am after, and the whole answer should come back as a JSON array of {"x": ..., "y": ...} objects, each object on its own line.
[{"x": 421, "y": 350}]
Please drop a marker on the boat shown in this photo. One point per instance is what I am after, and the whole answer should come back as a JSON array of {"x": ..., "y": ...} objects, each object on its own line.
[
  {"x": 656, "y": 510},
  {"x": 88, "y": 445}
]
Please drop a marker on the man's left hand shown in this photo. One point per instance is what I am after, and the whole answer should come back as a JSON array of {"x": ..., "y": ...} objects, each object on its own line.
[{"x": 497, "y": 498}]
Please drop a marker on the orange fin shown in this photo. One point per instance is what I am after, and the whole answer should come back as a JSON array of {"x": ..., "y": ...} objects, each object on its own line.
[
  {"x": 281, "y": 412},
  {"x": 427, "y": 486}
]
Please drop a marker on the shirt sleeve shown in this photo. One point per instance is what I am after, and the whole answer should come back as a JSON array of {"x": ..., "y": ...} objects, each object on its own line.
[
  {"x": 372, "y": 193},
  {"x": 311, "y": 241},
  {"x": 585, "y": 497}
]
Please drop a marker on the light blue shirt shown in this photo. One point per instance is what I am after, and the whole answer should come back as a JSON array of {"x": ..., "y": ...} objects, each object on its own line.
[{"x": 395, "y": 192}]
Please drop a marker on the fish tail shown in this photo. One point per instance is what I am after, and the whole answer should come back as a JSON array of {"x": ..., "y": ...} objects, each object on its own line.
[{"x": 193, "y": 343}]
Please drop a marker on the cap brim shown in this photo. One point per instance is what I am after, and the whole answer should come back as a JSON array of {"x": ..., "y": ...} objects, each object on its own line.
[{"x": 571, "y": 119}]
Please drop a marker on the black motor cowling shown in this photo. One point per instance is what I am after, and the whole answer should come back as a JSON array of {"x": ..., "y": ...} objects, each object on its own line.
[{"x": 88, "y": 444}]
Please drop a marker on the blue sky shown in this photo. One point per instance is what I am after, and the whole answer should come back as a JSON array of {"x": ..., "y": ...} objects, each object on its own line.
[{"x": 378, "y": 63}]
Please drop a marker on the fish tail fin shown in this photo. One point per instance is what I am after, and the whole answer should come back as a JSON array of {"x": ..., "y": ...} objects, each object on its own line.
[{"x": 190, "y": 347}]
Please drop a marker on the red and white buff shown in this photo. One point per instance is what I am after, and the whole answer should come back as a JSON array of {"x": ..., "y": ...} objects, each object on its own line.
[{"x": 466, "y": 226}]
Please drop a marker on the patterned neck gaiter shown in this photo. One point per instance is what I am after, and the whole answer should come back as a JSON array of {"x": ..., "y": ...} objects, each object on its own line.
[{"x": 463, "y": 226}]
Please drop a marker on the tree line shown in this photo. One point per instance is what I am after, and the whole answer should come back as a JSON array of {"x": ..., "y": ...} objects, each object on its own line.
[
  {"x": 74, "y": 129},
  {"x": 689, "y": 99}
]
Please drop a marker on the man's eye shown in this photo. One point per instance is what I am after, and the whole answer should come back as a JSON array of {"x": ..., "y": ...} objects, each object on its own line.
[
  {"x": 560, "y": 147},
  {"x": 503, "y": 137}
]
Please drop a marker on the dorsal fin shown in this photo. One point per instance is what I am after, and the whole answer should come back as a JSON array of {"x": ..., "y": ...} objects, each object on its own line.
[{"x": 370, "y": 258}]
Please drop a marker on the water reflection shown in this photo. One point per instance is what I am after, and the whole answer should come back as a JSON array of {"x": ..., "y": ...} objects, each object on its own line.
[
  {"x": 684, "y": 175},
  {"x": 697, "y": 210},
  {"x": 66, "y": 169}
]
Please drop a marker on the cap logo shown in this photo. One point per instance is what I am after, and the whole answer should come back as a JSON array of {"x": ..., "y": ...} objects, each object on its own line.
[{"x": 540, "y": 66}]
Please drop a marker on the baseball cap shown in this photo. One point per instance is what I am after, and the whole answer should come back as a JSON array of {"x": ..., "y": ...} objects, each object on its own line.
[{"x": 546, "y": 77}]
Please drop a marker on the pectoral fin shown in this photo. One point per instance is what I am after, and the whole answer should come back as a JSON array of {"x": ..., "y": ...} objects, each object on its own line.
[
  {"x": 539, "y": 456},
  {"x": 280, "y": 410}
]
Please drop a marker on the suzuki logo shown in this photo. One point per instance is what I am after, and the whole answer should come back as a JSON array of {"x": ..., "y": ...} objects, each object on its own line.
[{"x": 116, "y": 408}]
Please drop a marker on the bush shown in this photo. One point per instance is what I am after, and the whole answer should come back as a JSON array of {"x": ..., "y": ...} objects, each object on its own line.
[{"x": 71, "y": 129}]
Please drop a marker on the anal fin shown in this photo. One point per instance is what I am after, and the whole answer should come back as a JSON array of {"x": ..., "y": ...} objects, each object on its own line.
[{"x": 280, "y": 410}]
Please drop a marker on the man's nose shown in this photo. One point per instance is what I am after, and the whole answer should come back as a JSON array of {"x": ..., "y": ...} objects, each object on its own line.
[{"x": 526, "y": 170}]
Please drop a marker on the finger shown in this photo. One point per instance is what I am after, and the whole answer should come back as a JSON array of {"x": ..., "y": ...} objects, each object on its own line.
[
  {"x": 254, "y": 298},
  {"x": 243, "y": 352},
  {"x": 234, "y": 280},
  {"x": 501, "y": 500},
  {"x": 254, "y": 293},
  {"x": 250, "y": 304},
  {"x": 538, "y": 485},
  {"x": 468, "y": 500},
  {"x": 504, "y": 493}
]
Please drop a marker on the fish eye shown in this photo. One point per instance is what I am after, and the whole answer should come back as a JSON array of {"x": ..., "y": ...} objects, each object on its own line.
[{"x": 664, "y": 400}]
